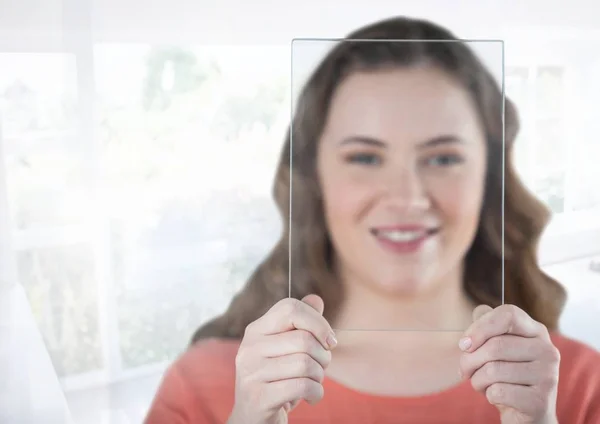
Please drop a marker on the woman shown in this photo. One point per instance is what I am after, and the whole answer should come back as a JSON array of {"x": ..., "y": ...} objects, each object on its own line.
[{"x": 397, "y": 197}]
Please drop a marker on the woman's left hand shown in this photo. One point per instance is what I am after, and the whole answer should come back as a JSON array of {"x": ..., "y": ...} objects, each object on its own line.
[{"x": 510, "y": 358}]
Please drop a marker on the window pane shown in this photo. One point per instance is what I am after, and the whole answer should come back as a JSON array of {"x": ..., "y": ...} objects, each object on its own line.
[
  {"x": 38, "y": 96},
  {"x": 548, "y": 157},
  {"x": 586, "y": 173},
  {"x": 60, "y": 285},
  {"x": 549, "y": 91},
  {"x": 47, "y": 188},
  {"x": 38, "y": 123},
  {"x": 586, "y": 191},
  {"x": 551, "y": 164},
  {"x": 190, "y": 137}
]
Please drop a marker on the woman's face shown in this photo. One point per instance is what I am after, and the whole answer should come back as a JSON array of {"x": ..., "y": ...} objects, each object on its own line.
[{"x": 402, "y": 165}]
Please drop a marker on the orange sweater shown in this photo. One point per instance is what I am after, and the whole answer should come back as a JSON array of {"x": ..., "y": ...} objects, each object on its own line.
[{"x": 199, "y": 389}]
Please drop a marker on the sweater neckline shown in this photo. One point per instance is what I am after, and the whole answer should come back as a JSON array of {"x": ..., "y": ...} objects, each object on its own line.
[{"x": 454, "y": 391}]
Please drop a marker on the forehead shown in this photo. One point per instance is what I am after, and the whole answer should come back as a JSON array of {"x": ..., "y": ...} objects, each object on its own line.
[{"x": 413, "y": 103}]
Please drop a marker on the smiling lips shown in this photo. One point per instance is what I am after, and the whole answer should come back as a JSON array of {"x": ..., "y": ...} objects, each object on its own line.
[{"x": 403, "y": 239}]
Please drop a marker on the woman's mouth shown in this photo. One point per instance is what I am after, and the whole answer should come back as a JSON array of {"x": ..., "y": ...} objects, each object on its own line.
[{"x": 403, "y": 239}]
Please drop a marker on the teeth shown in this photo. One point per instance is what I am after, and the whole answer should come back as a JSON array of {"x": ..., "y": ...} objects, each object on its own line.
[{"x": 401, "y": 236}]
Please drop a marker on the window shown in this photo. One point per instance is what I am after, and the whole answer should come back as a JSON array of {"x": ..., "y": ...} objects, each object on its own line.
[
  {"x": 48, "y": 197},
  {"x": 123, "y": 228},
  {"x": 555, "y": 149},
  {"x": 539, "y": 95},
  {"x": 188, "y": 139}
]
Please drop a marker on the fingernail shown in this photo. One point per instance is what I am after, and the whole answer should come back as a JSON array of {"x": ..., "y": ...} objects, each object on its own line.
[
  {"x": 464, "y": 343},
  {"x": 331, "y": 340}
]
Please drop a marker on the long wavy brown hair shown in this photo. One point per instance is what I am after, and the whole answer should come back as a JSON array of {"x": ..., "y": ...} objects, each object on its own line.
[{"x": 525, "y": 217}]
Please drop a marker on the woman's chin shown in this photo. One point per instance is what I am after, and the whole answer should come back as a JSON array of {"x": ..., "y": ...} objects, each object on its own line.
[{"x": 403, "y": 287}]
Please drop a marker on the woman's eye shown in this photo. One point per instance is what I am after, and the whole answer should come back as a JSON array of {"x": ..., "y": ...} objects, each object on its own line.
[
  {"x": 444, "y": 160},
  {"x": 364, "y": 159}
]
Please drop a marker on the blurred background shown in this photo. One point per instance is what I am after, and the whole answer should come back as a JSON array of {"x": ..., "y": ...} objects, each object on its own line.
[{"x": 138, "y": 142}]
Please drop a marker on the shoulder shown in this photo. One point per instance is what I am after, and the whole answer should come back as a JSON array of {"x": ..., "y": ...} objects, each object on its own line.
[
  {"x": 209, "y": 365},
  {"x": 221, "y": 352},
  {"x": 199, "y": 386},
  {"x": 576, "y": 355},
  {"x": 577, "y": 359},
  {"x": 579, "y": 373}
]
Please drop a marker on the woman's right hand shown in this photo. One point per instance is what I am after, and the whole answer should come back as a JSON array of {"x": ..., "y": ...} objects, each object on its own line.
[{"x": 281, "y": 361}]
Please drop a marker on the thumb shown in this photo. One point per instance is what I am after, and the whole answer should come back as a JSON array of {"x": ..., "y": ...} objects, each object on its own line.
[
  {"x": 480, "y": 311},
  {"x": 315, "y": 302},
  {"x": 291, "y": 405}
]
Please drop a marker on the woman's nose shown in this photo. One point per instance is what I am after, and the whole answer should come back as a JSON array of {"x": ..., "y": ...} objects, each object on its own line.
[{"x": 405, "y": 191}]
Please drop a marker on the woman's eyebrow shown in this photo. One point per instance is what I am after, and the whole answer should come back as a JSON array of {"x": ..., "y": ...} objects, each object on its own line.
[
  {"x": 359, "y": 139},
  {"x": 441, "y": 140},
  {"x": 432, "y": 142}
]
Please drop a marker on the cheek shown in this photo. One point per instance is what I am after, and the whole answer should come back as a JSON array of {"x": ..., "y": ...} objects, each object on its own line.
[
  {"x": 459, "y": 200},
  {"x": 345, "y": 201}
]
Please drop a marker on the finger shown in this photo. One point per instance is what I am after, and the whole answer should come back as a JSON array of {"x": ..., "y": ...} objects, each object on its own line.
[
  {"x": 505, "y": 319},
  {"x": 295, "y": 341},
  {"x": 290, "y": 314},
  {"x": 298, "y": 365},
  {"x": 480, "y": 311},
  {"x": 278, "y": 393},
  {"x": 315, "y": 302},
  {"x": 506, "y": 348},
  {"x": 524, "y": 399},
  {"x": 521, "y": 373}
]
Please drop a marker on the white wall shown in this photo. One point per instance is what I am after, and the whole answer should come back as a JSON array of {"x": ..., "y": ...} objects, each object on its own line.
[
  {"x": 278, "y": 21},
  {"x": 272, "y": 21}
]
